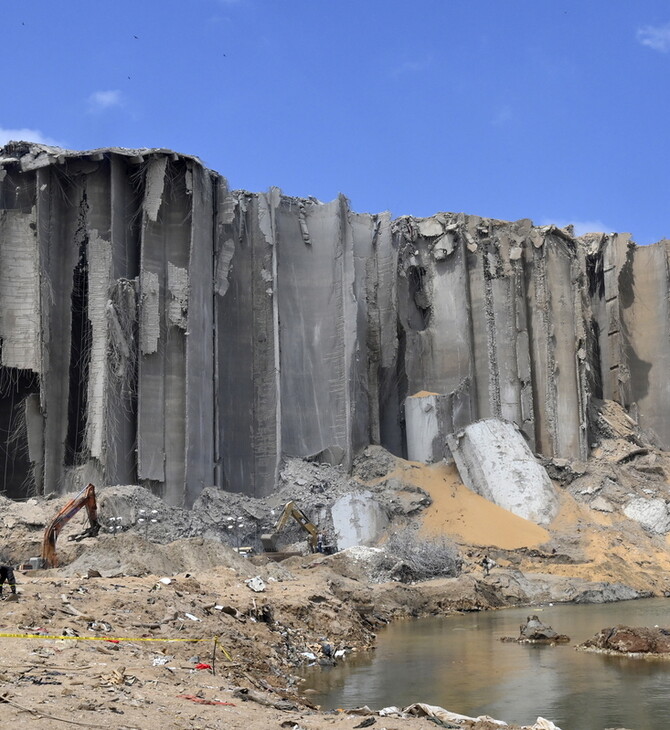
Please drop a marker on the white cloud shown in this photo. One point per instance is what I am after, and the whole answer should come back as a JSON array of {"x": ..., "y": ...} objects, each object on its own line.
[
  {"x": 656, "y": 37},
  {"x": 581, "y": 227},
  {"x": 25, "y": 135},
  {"x": 99, "y": 101}
]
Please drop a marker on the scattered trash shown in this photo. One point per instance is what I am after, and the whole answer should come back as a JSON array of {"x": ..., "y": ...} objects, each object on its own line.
[
  {"x": 249, "y": 695},
  {"x": 256, "y": 584},
  {"x": 202, "y": 665},
  {"x": 435, "y": 712},
  {"x": 118, "y": 678},
  {"x": 161, "y": 661},
  {"x": 308, "y": 655},
  {"x": 391, "y": 711},
  {"x": 192, "y": 617},
  {"x": 100, "y": 626},
  {"x": 203, "y": 701},
  {"x": 165, "y": 581},
  {"x": 31, "y": 679},
  {"x": 230, "y": 610},
  {"x": 367, "y": 722}
]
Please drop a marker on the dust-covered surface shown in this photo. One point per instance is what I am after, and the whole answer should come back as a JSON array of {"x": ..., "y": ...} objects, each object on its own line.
[
  {"x": 307, "y": 610},
  {"x": 180, "y": 577},
  {"x": 232, "y": 518}
]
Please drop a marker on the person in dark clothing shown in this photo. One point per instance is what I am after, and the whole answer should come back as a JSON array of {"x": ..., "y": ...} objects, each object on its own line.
[
  {"x": 7, "y": 574},
  {"x": 487, "y": 564}
]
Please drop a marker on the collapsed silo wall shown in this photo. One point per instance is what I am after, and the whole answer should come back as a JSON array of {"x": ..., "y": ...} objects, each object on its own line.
[{"x": 158, "y": 328}]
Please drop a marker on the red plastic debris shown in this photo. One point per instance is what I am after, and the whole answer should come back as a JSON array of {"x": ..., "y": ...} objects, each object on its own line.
[
  {"x": 202, "y": 665},
  {"x": 113, "y": 641},
  {"x": 202, "y": 701}
]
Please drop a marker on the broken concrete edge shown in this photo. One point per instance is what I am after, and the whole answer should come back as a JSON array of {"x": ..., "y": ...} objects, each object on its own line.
[
  {"x": 422, "y": 273},
  {"x": 34, "y": 155}
]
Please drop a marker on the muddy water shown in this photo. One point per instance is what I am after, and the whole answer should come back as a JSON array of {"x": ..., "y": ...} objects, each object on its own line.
[{"x": 460, "y": 663}]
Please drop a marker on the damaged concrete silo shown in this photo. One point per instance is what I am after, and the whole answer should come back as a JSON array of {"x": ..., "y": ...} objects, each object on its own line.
[{"x": 158, "y": 328}]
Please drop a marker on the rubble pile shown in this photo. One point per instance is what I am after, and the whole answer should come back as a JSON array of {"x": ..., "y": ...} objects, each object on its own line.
[
  {"x": 234, "y": 519},
  {"x": 626, "y": 472}
]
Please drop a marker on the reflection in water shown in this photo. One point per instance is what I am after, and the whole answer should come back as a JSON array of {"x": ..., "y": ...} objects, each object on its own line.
[{"x": 460, "y": 663}]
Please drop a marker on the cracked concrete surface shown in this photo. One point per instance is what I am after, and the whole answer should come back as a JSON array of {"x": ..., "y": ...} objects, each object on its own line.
[{"x": 158, "y": 328}]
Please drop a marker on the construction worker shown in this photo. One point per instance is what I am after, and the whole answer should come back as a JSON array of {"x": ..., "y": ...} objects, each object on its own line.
[
  {"x": 7, "y": 574},
  {"x": 487, "y": 564}
]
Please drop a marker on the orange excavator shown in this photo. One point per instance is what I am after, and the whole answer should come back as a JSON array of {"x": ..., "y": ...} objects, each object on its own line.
[{"x": 85, "y": 498}]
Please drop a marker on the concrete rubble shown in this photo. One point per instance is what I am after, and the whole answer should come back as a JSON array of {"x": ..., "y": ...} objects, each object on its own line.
[
  {"x": 494, "y": 461},
  {"x": 346, "y": 512},
  {"x": 651, "y": 513},
  {"x": 160, "y": 329}
]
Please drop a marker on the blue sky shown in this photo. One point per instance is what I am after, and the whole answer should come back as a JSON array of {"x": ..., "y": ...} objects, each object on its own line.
[{"x": 555, "y": 111}]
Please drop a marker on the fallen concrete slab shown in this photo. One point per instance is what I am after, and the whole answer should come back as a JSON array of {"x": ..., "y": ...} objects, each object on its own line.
[
  {"x": 650, "y": 513},
  {"x": 495, "y": 461}
]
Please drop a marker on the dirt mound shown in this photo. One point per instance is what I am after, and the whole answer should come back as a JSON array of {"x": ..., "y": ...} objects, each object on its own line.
[
  {"x": 465, "y": 516},
  {"x": 130, "y": 554}
]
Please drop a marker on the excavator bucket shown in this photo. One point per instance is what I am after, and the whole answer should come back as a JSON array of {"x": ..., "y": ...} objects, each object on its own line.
[{"x": 269, "y": 543}]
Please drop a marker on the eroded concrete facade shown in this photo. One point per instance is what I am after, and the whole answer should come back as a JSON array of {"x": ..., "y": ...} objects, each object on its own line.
[{"x": 158, "y": 328}]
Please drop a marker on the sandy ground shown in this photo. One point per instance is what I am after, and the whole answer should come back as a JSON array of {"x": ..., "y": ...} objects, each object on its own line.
[
  {"x": 464, "y": 515},
  {"x": 608, "y": 547},
  {"x": 147, "y": 679}
]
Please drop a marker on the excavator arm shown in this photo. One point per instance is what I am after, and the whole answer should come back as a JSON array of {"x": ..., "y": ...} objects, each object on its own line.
[
  {"x": 85, "y": 498},
  {"x": 291, "y": 510}
]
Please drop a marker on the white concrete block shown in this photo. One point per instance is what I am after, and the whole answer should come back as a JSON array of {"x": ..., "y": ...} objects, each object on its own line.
[
  {"x": 650, "y": 513},
  {"x": 358, "y": 519},
  {"x": 495, "y": 461}
]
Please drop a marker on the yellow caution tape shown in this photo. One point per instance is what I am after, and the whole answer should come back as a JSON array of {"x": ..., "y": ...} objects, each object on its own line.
[
  {"x": 99, "y": 638},
  {"x": 222, "y": 647}
]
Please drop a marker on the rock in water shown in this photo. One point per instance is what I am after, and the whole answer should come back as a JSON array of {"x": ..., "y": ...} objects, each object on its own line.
[
  {"x": 630, "y": 640},
  {"x": 535, "y": 632}
]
